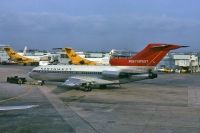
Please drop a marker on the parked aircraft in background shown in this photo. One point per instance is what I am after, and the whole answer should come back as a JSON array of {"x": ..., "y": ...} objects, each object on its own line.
[
  {"x": 166, "y": 70},
  {"x": 24, "y": 51},
  {"x": 22, "y": 59},
  {"x": 76, "y": 59},
  {"x": 88, "y": 76}
]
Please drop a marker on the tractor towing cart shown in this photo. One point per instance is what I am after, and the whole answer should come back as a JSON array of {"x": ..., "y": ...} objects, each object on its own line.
[{"x": 16, "y": 80}]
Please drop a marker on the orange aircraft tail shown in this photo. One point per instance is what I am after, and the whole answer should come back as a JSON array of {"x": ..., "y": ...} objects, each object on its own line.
[
  {"x": 151, "y": 55},
  {"x": 76, "y": 59},
  {"x": 14, "y": 56}
]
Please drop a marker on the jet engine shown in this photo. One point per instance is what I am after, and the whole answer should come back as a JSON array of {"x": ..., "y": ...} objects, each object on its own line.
[{"x": 114, "y": 74}]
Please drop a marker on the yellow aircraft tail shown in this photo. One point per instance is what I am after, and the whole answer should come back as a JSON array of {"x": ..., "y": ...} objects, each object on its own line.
[
  {"x": 76, "y": 59},
  {"x": 14, "y": 56}
]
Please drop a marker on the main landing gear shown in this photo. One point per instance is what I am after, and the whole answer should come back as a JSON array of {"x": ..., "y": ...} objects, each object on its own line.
[
  {"x": 41, "y": 83},
  {"x": 86, "y": 86},
  {"x": 89, "y": 88}
]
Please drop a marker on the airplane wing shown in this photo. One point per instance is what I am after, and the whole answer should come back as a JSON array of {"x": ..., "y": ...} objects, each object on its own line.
[
  {"x": 20, "y": 107},
  {"x": 87, "y": 82}
]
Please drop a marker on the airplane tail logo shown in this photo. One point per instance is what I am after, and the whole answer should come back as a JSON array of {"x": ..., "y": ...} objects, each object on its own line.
[
  {"x": 16, "y": 57},
  {"x": 76, "y": 59},
  {"x": 11, "y": 53},
  {"x": 151, "y": 55}
]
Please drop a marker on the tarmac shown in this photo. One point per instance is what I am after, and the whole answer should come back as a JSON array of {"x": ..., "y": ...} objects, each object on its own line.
[{"x": 168, "y": 104}]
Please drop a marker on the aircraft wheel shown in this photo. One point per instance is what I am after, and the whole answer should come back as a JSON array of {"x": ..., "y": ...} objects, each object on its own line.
[
  {"x": 86, "y": 89},
  {"x": 42, "y": 83},
  {"x": 19, "y": 81},
  {"x": 89, "y": 89}
]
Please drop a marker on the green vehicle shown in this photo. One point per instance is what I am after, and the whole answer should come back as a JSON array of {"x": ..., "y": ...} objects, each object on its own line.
[{"x": 16, "y": 80}]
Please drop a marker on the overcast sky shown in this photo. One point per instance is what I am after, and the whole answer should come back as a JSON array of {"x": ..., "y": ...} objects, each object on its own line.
[{"x": 99, "y": 24}]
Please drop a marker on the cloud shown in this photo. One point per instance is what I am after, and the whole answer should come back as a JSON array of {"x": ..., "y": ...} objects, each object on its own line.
[{"x": 94, "y": 32}]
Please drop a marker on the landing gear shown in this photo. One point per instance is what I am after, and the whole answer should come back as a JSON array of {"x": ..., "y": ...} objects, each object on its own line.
[
  {"x": 19, "y": 81},
  {"x": 41, "y": 83},
  {"x": 86, "y": 87}
]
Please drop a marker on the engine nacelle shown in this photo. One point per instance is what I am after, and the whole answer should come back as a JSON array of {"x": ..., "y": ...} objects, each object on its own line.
[{"x": 111, "y": 74}]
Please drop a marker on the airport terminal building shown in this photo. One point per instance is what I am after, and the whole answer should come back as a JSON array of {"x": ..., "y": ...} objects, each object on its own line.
[{"x": 4, "y": 58}]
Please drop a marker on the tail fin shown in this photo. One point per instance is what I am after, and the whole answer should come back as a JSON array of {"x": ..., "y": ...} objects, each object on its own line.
[
  {"x": 151, "y": 55},
  {"x": 14, "y": 56},
  {"x": 76, "y": 59},
  {"x": 25, "y": 49},
  {"x": 11, "y": 53}
]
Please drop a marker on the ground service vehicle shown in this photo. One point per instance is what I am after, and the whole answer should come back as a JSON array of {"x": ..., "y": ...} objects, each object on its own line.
[{"x": 16, "y": 80}]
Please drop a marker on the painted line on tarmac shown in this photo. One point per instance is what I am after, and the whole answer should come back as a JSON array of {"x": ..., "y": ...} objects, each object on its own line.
[
  {"x": 193, "y": 96},
  {"x": 19, "y": 107},
  {"x": 70, "y": 116},
  {"x": 18, "y": 96}
]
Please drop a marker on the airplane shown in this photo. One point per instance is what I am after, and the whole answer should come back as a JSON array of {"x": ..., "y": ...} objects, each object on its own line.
[
  {"x": 87, "y": 77},
  {"x": 22, "y": 59},
  {"x": 75, "y": 59}
]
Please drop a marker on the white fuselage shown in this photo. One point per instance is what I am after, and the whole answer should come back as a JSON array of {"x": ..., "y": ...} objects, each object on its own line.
[
  {"x": 63, "y": 72},
  {"x": 102, "y": 61},
  {"x": 35, "y": 58}
]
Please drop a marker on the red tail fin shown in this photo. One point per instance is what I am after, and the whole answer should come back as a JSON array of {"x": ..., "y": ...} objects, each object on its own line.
[{"x": 151, "y": 55}]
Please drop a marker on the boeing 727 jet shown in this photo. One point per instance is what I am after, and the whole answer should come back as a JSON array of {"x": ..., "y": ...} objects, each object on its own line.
[{"x": 87, "y": 76}]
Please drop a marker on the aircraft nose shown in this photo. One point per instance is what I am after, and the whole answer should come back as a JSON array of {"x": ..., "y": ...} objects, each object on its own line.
[{"x": 30, "y": 74}]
